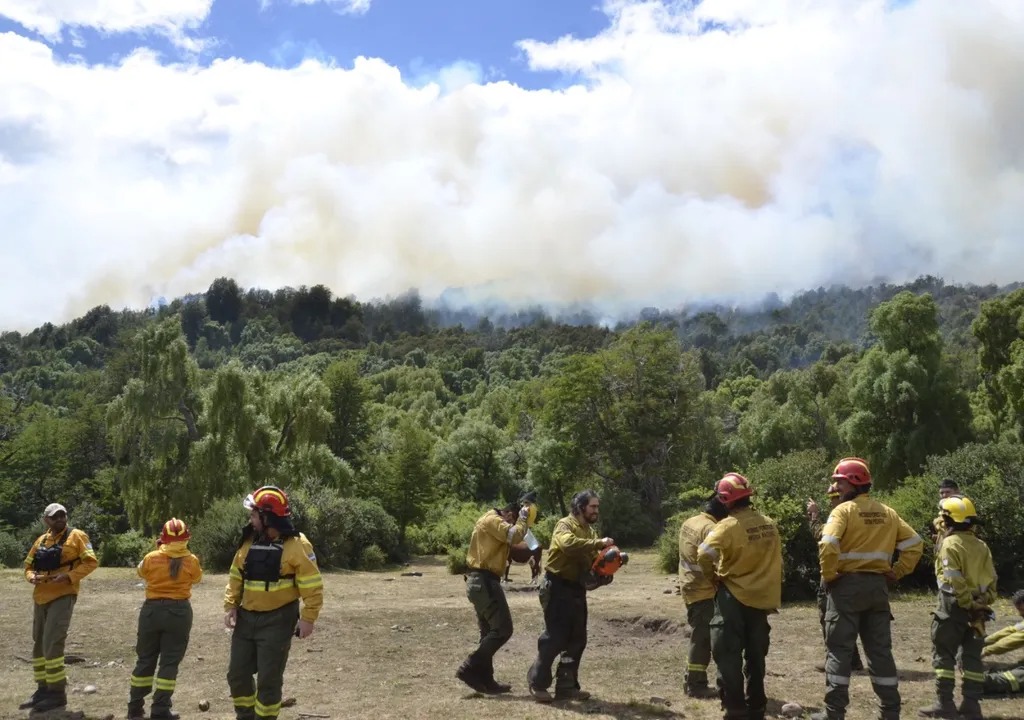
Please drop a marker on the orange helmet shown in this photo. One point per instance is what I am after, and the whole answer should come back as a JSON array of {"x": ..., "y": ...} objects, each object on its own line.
[
  {"x": 733, "y": 487},
  {"x": 608, "y": 561},
  {"x": 269, "y": 499},
  {"x": 833, "y": 490},
  {"x": 174, "y": 530},
  {"x": 853, "y": 470}
]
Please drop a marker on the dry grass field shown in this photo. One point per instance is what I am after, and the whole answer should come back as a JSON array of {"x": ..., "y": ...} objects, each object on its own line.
[{"x": 387, "y": 646}]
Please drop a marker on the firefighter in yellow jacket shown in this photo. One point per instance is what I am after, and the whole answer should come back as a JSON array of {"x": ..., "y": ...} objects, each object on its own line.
[
  {"x": 967, "y": 588},
  {"x": 855, "y": 552},
  {"x": 743, "y": 553},
  {"x": 699, "y": 597},
  {"x": 1002, "y": 682},
  {"x": 274, "y": 567},
  {"x": 55, "y": 565},
  {"x": 165, "y": 621},
  {"x": 563, "y": 597},
  {"x": 493, "y": 535}
]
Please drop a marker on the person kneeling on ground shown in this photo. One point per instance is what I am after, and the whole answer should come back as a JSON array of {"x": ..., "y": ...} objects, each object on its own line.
[{"x": 1004, "y": 682}]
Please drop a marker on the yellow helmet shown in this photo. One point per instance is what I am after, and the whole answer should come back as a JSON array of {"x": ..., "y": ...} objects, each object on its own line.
[{"x": 959, "y": 509}]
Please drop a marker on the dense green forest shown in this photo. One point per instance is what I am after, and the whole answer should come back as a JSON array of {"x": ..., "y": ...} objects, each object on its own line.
[{"x": 392, "y": 424}]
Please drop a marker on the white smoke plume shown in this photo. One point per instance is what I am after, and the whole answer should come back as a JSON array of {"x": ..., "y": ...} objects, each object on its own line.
[{"x": 715, "y": 152}]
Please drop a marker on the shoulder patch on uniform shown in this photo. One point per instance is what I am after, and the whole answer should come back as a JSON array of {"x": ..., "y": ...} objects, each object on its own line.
[
  {"x": 88, "y": 546},
  {"x": 312, "y": 557},
  {"x": 945, "y": 561}
]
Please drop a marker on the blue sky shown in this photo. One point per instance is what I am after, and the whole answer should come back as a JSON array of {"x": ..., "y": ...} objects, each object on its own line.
[{"x": 417, "y": 36}]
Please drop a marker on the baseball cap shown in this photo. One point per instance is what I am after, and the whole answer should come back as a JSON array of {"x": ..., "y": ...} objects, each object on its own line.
[{"x": 54, "y": 508}]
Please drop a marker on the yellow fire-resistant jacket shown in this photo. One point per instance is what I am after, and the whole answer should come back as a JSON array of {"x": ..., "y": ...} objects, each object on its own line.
[
  {"x": 297, "y": 560},
  {"x": 489, "y": 544},
  {"x": 573, "y": 549},
  {"x": 77, "y": 561},
  {"x": 155, "y": 570},
  {"x": 692, "y": 533},
  {"x": 744, "y": 551},
  {"x": 965, "y": 571},
  {"x": 1006, "y": 640},
  {"x": 862, "y": 535}
]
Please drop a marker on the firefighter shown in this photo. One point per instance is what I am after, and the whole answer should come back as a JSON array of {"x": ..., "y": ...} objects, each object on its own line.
[
  {"x": 1001, "y": 682},
  {"x": 855, "y": 552},
  {"x": 563, "y": 597},
  {"x": 699, "y": 597},
  {"x": 165, "y": 621},
  {"x": 489, "y": 545},
  {"x": 55, "y": 565},
  {"x": 967, "y": 589},
  {"x": 273, "y": 568},
  {"x": 743, "y": 554},
  {"x": 814, "y": 519},
  {"x": 947, "y": 488}
]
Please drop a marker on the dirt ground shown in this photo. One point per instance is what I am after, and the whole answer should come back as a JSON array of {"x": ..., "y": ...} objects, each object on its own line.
[{"x": 387, "y": 646}]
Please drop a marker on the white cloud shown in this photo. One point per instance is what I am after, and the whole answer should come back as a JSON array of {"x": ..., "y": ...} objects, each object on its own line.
[
  {"x": 827, "y": 141},
  {"x": 348, "y": 7},
  {"x": 50, "y": 17}
]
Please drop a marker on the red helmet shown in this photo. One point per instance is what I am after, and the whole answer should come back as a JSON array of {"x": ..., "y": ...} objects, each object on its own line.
[
  {"x": 733, "y": 487},
  {"x": 269, "y": 499},
  {"x": 174, "y": 530},
  {"x": 853, "y": 470}
]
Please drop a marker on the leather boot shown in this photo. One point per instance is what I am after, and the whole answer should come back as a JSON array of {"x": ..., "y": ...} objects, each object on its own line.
[
  {"x": 943, "y": 708},
  {"x": 970, "y": 709},
  {"x": 34, "y": 698},
  {"x": 52, "y": 700}
]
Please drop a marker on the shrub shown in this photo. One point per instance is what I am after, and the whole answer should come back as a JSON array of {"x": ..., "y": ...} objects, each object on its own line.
[
  {"x": 668, "y": 543},
  {"x": 12, "y": 554},
  {"x": 126, "y": 549},
  {"x": 340, "y": 528},
  {"x": 457, "y": 559},
  {"x": 372, "y": 558},
  {"x": 447, "y": 525},
  {"x": 216, "y": 534}
]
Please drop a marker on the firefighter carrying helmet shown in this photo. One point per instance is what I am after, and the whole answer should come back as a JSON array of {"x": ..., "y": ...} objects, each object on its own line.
[
  {"x": 958, "y": 509},
  {"x": 269, "y": 499},
  {"x": 853, "y": 470}
]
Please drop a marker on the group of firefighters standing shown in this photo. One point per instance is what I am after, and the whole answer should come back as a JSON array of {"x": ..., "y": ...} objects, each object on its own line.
[
  {"x": 730, "y": 565},
  {"x": 731, "y": 576},
  {"x": 274, "y": 568}
]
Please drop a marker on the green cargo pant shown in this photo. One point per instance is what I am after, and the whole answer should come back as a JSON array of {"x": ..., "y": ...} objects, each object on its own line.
[
  {"x": 50, "y": 625},
  {"x": 493, "y": 617},
  {"x": 565, "y": 635},
  {"x": 858, "y": 604},
  {"x": 163, "y": 634},
  {"x": 952, "y": 634},
  {"x": 740, "y": 638},
  {"x": 1004, "y": 682},
  {"x": 259, "y": 646},
  {"x": 857, "y": 663},
  {"x": 698, "y": 617}
]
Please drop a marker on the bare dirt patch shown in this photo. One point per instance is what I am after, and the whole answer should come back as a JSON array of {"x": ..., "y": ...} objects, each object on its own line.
[{"x": 387, "y": 646}]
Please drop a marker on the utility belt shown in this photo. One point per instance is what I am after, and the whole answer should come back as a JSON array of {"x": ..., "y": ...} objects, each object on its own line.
[
  {"x": 574, "y": 586},
  {"x": 486, "y": 574},
  {"x": 166, "y": 601}
]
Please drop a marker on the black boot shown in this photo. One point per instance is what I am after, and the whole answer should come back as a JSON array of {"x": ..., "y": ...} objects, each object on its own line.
[
  {"x": 470, "y": 674},
  {"x": 567, "y": 686},
  {"x": 52, "y": 700},
  {"x": 34, "y": 699},
  {"x": 494, "y": 687}
]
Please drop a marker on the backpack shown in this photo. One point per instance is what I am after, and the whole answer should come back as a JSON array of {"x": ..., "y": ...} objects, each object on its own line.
[{"x": 48, "y": 559}]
